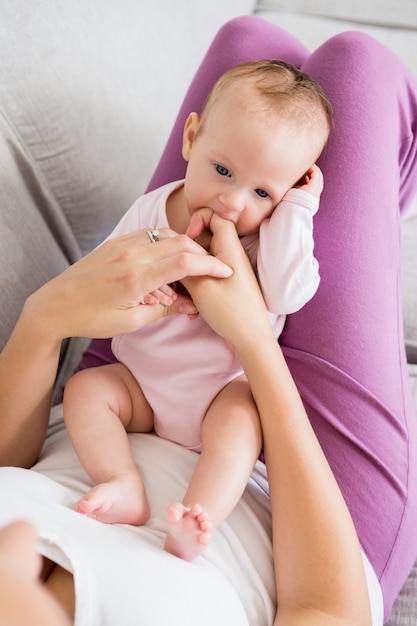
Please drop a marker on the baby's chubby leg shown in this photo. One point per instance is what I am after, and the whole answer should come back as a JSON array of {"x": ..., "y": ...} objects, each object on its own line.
[
  {"x": 101, "y": 405},
  {"x": 232, "y": 439}
]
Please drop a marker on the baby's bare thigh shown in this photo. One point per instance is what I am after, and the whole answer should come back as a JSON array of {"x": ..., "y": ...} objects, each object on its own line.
[
  {"x": 234, "y": 408},
  {"x": 139, "y": 417}
]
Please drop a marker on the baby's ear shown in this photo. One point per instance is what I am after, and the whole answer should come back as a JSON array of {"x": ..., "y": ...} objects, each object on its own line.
[
  {"x": 303, "y": 180},
  {"x": 190, "y": 131}
]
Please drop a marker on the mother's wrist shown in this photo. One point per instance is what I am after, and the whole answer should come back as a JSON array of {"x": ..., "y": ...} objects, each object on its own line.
[{"x": 38, "y": 323}]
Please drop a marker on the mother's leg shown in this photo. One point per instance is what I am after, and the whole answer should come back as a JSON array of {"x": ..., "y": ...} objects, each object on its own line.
[{"x": 346, "y": 347}]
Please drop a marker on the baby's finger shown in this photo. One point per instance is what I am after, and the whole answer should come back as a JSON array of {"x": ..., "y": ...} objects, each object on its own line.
[
  {"x": 164, "y": 295},
  {"x": 150, "y": 298},
  {"x": 168, "y": 290}
]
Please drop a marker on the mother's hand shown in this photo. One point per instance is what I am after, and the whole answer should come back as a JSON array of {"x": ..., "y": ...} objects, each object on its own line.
[
  {"x": 234, "y": 308},
  {"x": 100, "y": 295},
  {"x": 23, "y": 600}
]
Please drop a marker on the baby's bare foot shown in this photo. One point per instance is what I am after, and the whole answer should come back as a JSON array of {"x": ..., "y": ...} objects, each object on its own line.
[
  {"x": 121, "y": 500},
  {"x": 188, "y": 531}
]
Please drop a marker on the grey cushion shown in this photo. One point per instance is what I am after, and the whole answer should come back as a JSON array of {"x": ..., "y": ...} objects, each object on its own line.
[
  {"x": 88, "y": 94},
  {"x": 409, "y": 286},
  {"x": 404, "y": 611},
  {"x": 399, "y": 13}
]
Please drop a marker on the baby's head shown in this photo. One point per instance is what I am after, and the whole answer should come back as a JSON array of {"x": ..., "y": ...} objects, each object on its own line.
[
  {"x": 280, "y": 90},
  {"x": 262, "y": 126}
]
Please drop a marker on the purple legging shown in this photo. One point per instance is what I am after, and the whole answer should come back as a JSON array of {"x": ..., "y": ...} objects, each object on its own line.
[{"x": 345, "y": 348}]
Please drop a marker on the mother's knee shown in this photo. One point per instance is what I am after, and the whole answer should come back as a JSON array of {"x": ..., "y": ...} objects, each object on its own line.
[
  {"x": 249, "y": 38},
  {"x": 358, "y": 52}
]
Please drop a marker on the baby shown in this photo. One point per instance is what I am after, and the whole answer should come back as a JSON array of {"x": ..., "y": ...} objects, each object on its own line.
[{"x": 251, "y": 157}]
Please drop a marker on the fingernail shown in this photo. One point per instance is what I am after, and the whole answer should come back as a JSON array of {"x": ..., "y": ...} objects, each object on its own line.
[
  {"x": 186, "y": 307},
  {"x": 227, "y": 270}
]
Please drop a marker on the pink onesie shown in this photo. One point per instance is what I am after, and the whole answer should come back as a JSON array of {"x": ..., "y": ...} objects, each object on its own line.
[{"x": 180, "y": 364}]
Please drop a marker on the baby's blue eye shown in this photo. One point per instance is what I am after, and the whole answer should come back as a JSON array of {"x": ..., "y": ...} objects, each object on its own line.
[
  {"x": 223, "y": 171},
  {"x": 261, "y": 193}
]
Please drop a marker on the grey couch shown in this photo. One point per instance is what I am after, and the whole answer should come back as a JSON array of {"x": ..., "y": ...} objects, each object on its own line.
[{"x": 88, "y": 93}]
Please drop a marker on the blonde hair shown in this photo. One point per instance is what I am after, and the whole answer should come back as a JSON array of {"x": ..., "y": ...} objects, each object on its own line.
[{"x": 282, "y": 89}]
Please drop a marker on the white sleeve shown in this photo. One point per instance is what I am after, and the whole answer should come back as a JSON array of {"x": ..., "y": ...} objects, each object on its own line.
[{"x": 287, "y": 270}]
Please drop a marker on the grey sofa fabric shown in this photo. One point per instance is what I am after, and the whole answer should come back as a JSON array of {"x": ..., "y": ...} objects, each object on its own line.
[
  {"x": 88, "y": 95},
  {"x": 61, "y": 187},
  {"x": 404, "y": 612},
  {"x": 409, "y": 287}
]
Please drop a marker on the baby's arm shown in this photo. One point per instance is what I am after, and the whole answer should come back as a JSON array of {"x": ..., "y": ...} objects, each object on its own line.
[{"x": 286, "y": 266}]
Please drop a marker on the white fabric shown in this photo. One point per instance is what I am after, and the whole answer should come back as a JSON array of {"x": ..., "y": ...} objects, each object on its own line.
[
  {"x": 375, "y": 594},
  {"x": 122, "y": 574}
]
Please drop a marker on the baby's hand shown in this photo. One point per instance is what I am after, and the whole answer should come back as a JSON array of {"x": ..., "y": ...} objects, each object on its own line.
[
  {"x": 175, "y": 303},
  {"x": 312, "y": 181},
  {"x": 165, "y": 295}
]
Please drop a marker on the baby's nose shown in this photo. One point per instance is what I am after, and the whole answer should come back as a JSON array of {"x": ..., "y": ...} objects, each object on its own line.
[{"x": 233, "y": 201}]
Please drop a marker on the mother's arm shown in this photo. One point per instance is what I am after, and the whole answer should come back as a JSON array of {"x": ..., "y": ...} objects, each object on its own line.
[
  {"x": 320, "y": 576},
  {"x": 96, "y": 297}
]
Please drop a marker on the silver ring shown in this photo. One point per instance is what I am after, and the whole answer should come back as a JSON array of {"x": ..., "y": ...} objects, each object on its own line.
[{"x": 153, "y": 235}]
